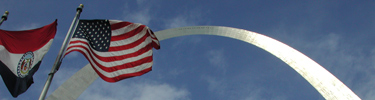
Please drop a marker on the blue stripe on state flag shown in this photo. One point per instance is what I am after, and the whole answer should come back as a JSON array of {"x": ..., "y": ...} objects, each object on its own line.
[{"x": 17, "y": 85}]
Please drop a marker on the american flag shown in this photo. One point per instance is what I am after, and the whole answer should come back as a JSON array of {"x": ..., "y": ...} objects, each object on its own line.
[{"x": 115, "y": 49}]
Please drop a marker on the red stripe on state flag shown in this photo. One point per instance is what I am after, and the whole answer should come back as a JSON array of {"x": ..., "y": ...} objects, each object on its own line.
[{"x": 24, "y": 41}]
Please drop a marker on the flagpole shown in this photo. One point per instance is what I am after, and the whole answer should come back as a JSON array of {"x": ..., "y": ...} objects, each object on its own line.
[
  {"x": 58, "y": 60},
  {"x": 4, "y": 17}
]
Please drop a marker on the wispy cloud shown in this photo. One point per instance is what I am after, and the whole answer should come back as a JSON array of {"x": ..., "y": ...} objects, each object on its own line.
[
  {"x": 194, "y": 40},
  {"x": 72, "y": 55},
  {"x": 135, "y": 91},
  {"x": 346, "y": 60},
  {"x": 140, "y": 14},
  {"x": 345, "y": 55},
  {"x": 186, "y": 18},
  {"x": 179, "y": 21},
  {"x": 30, "y": 26},
  {"x": 215, "y": 85},
  {"x": 217, "y": 59},
  {"x": 256, "y": 94},
  {"x": 227, "y": 88}
]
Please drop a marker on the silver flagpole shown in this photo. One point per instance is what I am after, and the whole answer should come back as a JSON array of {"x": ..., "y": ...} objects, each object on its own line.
[
  {"x": 58, "y": 60},
  {"x": 4, "y": 17}
]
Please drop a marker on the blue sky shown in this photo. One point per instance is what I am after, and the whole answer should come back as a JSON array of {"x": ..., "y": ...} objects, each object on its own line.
[{"x": 336, "y": 34}]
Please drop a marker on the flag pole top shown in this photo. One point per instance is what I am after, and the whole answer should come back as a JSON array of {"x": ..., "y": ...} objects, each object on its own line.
[
  {"x": 80, "y": 7},
  {"x": 5, "y": 16}
]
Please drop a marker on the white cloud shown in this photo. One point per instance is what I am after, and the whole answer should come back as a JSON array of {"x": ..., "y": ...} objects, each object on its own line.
[
  {"x": 214, "y": 85},
  {"x": 347, "y": 61},
  {"x": 230, "y": 90},
  {"x": 30, "y": 26},
  {"x": 255, "y": 94},
  {"x": 72, "y": 55},
  {"x": 179, "y": 21},
  {"x": 134, "y": 91},
  {"x": 4, "y": 99},
  {"x": 140, "y": 14},
  {"x": 217, "y": 59},
  {"x": 160, "y": 92},
  {"x": 194, "y": 40},
  {"x": 191, "y": 18},
  {"x": 373, "y": 57}
]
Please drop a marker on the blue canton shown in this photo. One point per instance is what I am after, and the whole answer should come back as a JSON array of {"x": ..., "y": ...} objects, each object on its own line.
[{"x": 96, "y": 32}]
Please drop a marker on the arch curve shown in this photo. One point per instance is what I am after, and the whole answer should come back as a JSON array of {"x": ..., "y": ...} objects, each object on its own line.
[{"x": 322, "y": 80}]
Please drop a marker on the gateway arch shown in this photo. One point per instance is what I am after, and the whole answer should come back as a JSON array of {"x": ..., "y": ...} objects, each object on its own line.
[{"x": 322, "y": 80}]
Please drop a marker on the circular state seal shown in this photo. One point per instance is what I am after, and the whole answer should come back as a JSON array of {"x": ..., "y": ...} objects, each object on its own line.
[{"x": 25, "y": 64}]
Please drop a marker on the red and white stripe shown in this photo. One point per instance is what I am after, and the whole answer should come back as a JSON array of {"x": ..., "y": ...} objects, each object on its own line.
[
  {"x": 14, "y": 44},
  {"x": 129, "y": 54}
]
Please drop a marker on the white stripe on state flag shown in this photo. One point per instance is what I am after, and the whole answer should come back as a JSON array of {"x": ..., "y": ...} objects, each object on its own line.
[{"x": 11, "y": 60}]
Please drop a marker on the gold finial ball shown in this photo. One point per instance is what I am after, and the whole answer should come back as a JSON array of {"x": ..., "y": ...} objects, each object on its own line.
[
  {"x": 81, "y": 5},
  {"x": 7, "y": 12}
]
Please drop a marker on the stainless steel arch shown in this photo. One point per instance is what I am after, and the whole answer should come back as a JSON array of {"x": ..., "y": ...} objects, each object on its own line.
[{"x": 322, "y": 80}]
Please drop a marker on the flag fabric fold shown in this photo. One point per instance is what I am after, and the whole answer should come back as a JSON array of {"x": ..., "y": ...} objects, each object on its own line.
[
  {"x": 21, "y": 53},
  {"x": 115, "y": 49}
]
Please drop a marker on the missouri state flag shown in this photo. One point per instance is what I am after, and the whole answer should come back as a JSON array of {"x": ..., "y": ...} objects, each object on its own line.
[
  {"x": 115, "y": 49},
  {"x": 21, "y": 53}
]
